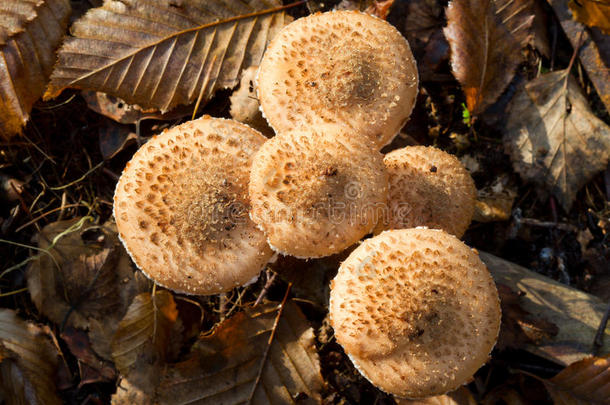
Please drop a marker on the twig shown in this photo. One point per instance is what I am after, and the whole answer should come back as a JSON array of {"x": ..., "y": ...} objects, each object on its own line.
[
  {"x": 198, "y": 305},
  {"x": 38, "y": 218},
  {"x": 548, "y": 224},
  {"x": 263, "y": 293},
  {"x": 13, "y": 292},
  {"x": 598, "y": 342},
  {"x": 73, "y": 228},
  {"x": 62, "y": 207},
  {"x": 83, "y": 177},
  {"x": 271, "y": 336}
]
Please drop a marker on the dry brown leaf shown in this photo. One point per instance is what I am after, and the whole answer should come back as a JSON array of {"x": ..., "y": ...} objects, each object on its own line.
[
  {"x": 592, "y": 13},
  {"x": 593, "y": 48},
  {"x": 147, "y": 325},
  {"x": 576, "y": 314},
  {"x": 518, "y": 325},
  {"x": 495, "y": 202},
  {"x": 30, "y": 31},
  {"x": 28, "y": 362},
  {"x": 147, "y": 337},
  {"x": 518, "y": 17},
  {"x": 114, "y": 138},
  {"x": 553, "y": 138},
  {"x": 92, "y": 368},
  {"x": 584, "y": 382},
  {"x": 483, "y": 51},
  {"x": 117, "y": 109},
  {"x": 78, "y": 279},
  {"x": 163, "y": 53},
  {"x": 129, "y": 394},
  {"x": 424, "y": 17},
  {"x": 237, "y": 365},
  {"x": 244, "y": 103}
]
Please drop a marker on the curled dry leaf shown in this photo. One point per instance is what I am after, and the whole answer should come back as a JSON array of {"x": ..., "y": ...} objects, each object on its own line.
[
  {"x": 494, "y": 203},
  {"x": 518, "y": 17},
  {"x": 244, "y": 361},
  {"x": 584, "y": 382},
  {"x": 164, "y": 53},
  {"x": 30, "y": 31},
  {"x": 92, "y": 368},
  {"x": 483, "y": 48},
  {"x": 244, "y": 103},
  {"x": 576, "y": 314},
  {"x": 553, "y": 138},
  {"x": 518, "y": 325},
  {"x": 78, "y": 279},
  {"x": 593, "y": 48},
  {"x": 114, "y": 138},
  {"x": 592, "y": 13},
  {"x": 147, "y": 337},
  {"x": 130, "y": 394},
  {"x": 28, "y": 361}
]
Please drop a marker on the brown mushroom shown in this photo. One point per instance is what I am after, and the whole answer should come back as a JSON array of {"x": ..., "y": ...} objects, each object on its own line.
[
  {"x": 416, "y": 311},
  {"x": 181, "y": 207},
  {"x": 339, "y": 67},
  {"x": 428, "y": 187},
  {"x": 316, "y": 191}
]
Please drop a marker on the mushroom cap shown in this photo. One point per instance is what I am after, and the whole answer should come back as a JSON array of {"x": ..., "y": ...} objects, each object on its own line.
[
  {"x": 316, "y": 191},
  {"x": 416, "y": 310},
  {"x": 181, "y": 207},
  {"x": 429, "y": 187},
  {"x": 339, "y": 67}
]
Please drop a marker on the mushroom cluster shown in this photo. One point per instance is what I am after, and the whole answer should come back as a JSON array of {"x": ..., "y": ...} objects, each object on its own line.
[{"x": 203, "y": 207}]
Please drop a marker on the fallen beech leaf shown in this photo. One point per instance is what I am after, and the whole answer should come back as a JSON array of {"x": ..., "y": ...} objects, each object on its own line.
[
  {"x": 147, "y": 337},
  {"x": 494, "y": 203},
  {"x": 239, "y": 364},
  {"x": 518, "y": 17},
  {"x": 92, "y": 368},
  {"x": 129, "y": 394},
  {"x": 593, "y": 48},
  {"x": 113, "y": 138},
  {"x": 505, "y": 394},
  {"x": 28, "y": 361},
  {"x": 118, "y": 110},
  {"x": 310, "y": 278},
  {"x": 584, "y": 382},
  {"x": 518, "y": 325},
  {"x": 380, "y": 8},
  {"x": 592, "y": 13},
  {"x": 30, "y": 31},
  {"x": 461, "y": 396},
  {"x": 244, "y": 103},
  {"x": 115, "y": 108},
  {"x": 576, "y": 314},
  {"x": 78, "y": 279},
  {"x": 164, "y": 53},
  {"x": 553, "y": 138},
  {"x": 483, "y": 51},
  {"x": 424, "y": 17}
]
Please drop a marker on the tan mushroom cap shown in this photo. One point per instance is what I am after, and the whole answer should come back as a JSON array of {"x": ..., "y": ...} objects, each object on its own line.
[
  {"x": 316, "y": 192},
  {"x": 429, "y": 187},
  {"x": 416, "y": 310},
  {"x": 181, "y": 207},
  {"x": 339, "y": 67}
]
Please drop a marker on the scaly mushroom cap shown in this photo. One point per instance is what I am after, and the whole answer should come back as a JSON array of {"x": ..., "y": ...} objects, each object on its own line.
[
  {"x": 316, "y": 192},
  {"x": 429, "y": 187},
  {"x": 416, "y": 310},
  {"x": 181, "y": 207},
  {"x": 339, "y": 67}
]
